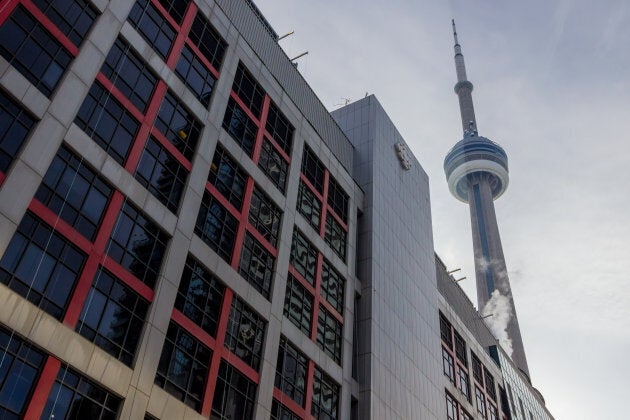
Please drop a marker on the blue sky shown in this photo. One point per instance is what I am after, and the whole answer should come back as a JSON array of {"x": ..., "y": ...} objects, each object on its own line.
[{"x": 552, "y": 86}]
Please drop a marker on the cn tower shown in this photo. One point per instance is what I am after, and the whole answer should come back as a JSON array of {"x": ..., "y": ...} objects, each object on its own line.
[{"x": 477, "y": 173}]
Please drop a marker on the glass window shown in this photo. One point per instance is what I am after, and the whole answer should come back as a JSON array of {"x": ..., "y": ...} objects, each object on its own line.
[
  {"x": 490, "y": 388},
  {"x": 329, "y": 334},
  {"x": 325, "y": 404},
  {"x": 265, "y": 216},
  {"x": 41, "y": 266},
  {"x": 75, "y": 397},
  {"x": 234, "y": 395},
  {"x": 332, "y": 287},
  {"x": 130, "y": 74},
  {"x": 447, "y": 365},
  {"x": 73, "y": 17},
  {"x": 175, "y": 8},
  {"x": 216, "y": 226},
  {"x": 15, "y": 124},
  {"x": 248, "y": 89},
  {"x": 273, "y": 165},
  {"x": 200, "y": 296},
  {"x": 476, "y": 367},
  {"x": 107, "y": 122},
  {"x": 336, "y": 237},
  {"x": 465, "y": 415},
  {"x": 228, "y": 177},
  {"x": 313, "y": 169},
  {"x": 451, "y": 408},
  {"x": 240, "y": 127},
  {"x": 460, "y": 348},
  {"x": 309, "y": 206},
  {"x": 481, "y": 401},
  {"x": 445, "y": 331},
  {"x": 27, "y": 46},
  {"x": 113, "y": 317},
  {"x": 338, "y": 199},
  {"x": 303, "y": 256},
  {"x": 21, "y": 364},
  {"x": 161, "y": 174},
  {"x": 298, "y": 305},
  {"x": 183, "y": 366},
  {"x": 493, "y": 414},
  {"x": 74, "y": 192},
  {"x": 209, "y": 42},
  {"x": 256, "y": 265},
  {"x": 195, "y": 75},
  {"x": 291, "y": 372},
  {"x": 138, "y": 245},
  {"x": 179, "y": 126},
  {"x": 463, "y": 382},
  {"x": 153, "y": 27},
  {"x": 245, "y": 333},
  {"x": 279, "y": 127},
  {"x": 280, "y": 412}
]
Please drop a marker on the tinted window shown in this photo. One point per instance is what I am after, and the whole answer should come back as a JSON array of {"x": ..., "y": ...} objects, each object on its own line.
[{"x": 15, "y": 125}]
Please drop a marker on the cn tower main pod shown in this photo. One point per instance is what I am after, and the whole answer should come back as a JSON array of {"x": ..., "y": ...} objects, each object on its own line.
[{"x": 477, "y": 173}]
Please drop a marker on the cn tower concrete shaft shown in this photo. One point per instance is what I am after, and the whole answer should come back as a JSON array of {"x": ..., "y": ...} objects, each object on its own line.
[{"x": 490, "y": 269}]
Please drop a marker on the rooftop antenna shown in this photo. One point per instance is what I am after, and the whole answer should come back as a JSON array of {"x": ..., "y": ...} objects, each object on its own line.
[
  {"x": 346, "y": 101},
  {"x": 286, "y": 35}
]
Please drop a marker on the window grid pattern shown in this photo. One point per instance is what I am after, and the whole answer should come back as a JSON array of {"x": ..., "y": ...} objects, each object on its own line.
[
  {"x": 216, "y": 226},
  {"x": 303, "y": 256},
  {"x": 178, "y": 125},
  {"x": 72, "y": 393},
  {"x": 107, "y": 122},
  {"x": 73, "y": 17},
  {"x": 332, "y": 287},
  {"x": 41, "y": 266},
  {"x": 200, "y": 296},
  {"x": 245, "y": 333},
  {"x": 21, "y": 364},
  {"x": 329, "y": 334},
  {"x": 248, "y": 90},
  {"x": 447, "y": 365},
  {"x": 175, "y": 8},
  {"x": 15, "y": 125},
  {"x": 240, "y": 127},
  {"x": 256, "y": 265},
  {"x": 195, "y": 75},
  {"x": 162, "y": 174},
  {"x": 309, "y": 206},
  {"x": 228, "y": 177},
  {"x": 460, "y": 348},
  {"x": 113, "y": 317},
  {"x": 336, "y": 237},
  {"x": 298, "y": 305},
  {"x": 291, "y": 371},
  {"x": 75, "y": 192},
  {"x": 209, "y": 42},
  {"x": 33, "y": 51},
  {"x": 234, "y": 395},
  {"x": 280, "y": 412},
  {"x": 153, "y": 27},
  {"x": 325, "y": 403},
  {"x": 313, "y": 169},
  {"x": 137, "y": 244},
  {"x": 265, "y": 216},
  {"x": 130, "y": 74},
  {"x": 183, "y": 366},
  {"x": 338, "y": 199},
  {"x": 280, "y": 129},
  {"x": 273, "y": 165}
]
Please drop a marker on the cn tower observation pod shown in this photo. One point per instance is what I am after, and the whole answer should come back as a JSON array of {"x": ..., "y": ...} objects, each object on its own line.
[{"x": 476, "y": 155}]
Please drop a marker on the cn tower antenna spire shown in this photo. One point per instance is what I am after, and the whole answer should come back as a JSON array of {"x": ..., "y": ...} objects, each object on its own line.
[{"x": 463, "y": 89}]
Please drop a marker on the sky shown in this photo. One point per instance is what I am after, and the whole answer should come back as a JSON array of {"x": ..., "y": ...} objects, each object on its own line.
[{"x": 552, "y": 86}]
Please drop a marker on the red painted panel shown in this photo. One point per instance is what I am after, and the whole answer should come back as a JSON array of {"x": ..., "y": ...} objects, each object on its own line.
[
  {"x": 290, "y": 404},
  {"x": 240, "y": 235},
  {"x": 182, "y": 32},
  {"x": 42, "y": 389},
  {"x": 51, "y": 27},
  {"x": 6, "y": 9},
  {"x": 193, "y": 329},
  {"x": 261, "y": 129}
]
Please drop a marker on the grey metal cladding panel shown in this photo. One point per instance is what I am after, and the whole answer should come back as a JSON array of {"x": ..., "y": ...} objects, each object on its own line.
[{"x": 276, "y": 61}]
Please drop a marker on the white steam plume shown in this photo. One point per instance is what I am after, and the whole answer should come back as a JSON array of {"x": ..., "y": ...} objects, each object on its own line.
[{"x": 501, "y": 312}]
